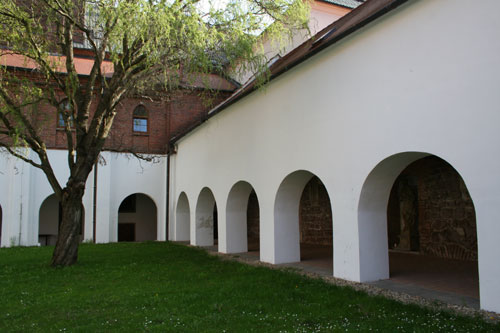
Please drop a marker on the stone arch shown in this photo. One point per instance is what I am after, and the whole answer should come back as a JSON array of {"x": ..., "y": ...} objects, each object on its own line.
[
  {"x": 375, "y": 210},
  {"x": 49, "y": 219},
  {"x": 237, "y": 217},
  {"x": 206, "y": 218},
  {"x": 137, "y": 218},
  {"x": 287, "y": 216},
  {"x": 182, "y": 218},
  {"x": 372, "y": 215}
]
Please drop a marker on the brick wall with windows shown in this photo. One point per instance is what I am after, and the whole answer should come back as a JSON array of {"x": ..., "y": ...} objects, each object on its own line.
[
  {"x": 164, "y": 120},
  {"x": 164, "y": 117}
]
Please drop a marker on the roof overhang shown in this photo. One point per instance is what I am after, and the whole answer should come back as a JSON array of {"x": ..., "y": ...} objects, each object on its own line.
[{"x": 338, "y": 30}]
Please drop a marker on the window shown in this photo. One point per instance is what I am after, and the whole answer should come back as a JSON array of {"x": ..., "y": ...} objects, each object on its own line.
[
  {"x": 64, "y": 107},
  {"x": 92, "y": 23},
  {"x": 140, "y": 119}
]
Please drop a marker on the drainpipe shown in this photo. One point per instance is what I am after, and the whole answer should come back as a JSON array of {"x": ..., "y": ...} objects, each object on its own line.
[
  {"x": 171, "y": 151},
  {"x": 21, "y": 208},
  {"x": 94, "y": 212},
  {"x": 167, "y": 211}
]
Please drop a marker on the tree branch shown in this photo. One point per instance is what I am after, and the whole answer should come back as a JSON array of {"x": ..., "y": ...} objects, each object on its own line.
[
  {"x": 19, "y": 156},
  {"x": 37, "y": 141}
]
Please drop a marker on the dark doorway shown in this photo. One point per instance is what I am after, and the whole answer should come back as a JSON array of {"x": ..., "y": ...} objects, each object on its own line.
[
  {"x": 216, "y": 224},
  {"x": 253, "y": 221},
  {"x": 126, "y": 232}
]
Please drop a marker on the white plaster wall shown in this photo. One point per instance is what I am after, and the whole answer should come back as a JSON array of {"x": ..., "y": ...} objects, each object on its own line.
[
  {"x": 39, "y": 189},
  {"x": 202, "y": 231},
  {"x": 1, "y": 216},
  {"x": 23, "y": 189},
  {"x": 417, "y": 79},
  {"x": 4, "y": 198},
  {"x": 121, "y": 176},
  {"x": 182, "y": 213},
  {"x": 13, "y": 186},
  {"x": 236, "y": 218}
]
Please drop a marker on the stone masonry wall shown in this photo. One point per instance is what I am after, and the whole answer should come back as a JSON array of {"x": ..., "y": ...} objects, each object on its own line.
[
  {"x": 445, "y": 217},
  {"x": 315, "y": 214}
]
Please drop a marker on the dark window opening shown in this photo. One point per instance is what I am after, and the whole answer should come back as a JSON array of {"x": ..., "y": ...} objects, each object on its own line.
[
  {"x": 126, "y": 232},
  {"x": 128, "y": 205}
]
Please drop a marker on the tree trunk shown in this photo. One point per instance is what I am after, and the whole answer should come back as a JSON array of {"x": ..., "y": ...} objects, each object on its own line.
[{"x": 68, "y": 239}]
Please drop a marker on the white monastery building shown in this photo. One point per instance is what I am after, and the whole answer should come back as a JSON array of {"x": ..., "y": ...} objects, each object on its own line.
[
  {"x": 30, "y": 212},
  {"x": 388, "y": 85}
]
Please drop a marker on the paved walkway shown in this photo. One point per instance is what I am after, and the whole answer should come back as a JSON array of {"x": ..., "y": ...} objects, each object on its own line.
[{"x": 449, "y": 281}]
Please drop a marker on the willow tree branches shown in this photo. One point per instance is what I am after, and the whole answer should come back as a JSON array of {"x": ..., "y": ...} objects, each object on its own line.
[{"x": 135, "y": 46}]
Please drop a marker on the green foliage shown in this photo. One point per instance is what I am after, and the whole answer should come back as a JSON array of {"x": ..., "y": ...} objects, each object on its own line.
[
  {"x": 155, "y": 46},
  {"x": 166, "y": 287},
  {"x": 200, "y": 36}
]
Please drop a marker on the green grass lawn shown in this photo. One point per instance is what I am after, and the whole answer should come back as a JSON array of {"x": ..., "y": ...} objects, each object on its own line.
[{"x": 166, "y": 287}]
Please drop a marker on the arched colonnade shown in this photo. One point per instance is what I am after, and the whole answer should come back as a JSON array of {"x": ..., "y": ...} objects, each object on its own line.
[{"x": 411, "y": 203}]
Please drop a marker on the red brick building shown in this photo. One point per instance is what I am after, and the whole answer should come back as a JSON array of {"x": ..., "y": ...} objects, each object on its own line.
[{"x": 157, "y": 118}]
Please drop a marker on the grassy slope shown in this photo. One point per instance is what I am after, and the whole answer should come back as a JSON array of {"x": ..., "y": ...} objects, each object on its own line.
[{"x": 168, "y": 287}]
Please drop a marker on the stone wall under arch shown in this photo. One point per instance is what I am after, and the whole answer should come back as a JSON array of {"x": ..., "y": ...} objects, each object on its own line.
[{"x": 444, "y": 210}]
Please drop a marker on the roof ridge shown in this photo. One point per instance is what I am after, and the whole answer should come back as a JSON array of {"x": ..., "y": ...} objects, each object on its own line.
[{"x": 344, "y": 3}]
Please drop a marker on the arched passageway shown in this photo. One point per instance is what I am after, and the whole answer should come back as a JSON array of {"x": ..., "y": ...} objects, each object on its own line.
[
  {"x": 303, "y": 221},
  {"x": 137, "y": 219},
  {"x": 253, "y": 223},
  {"x": 417, "y": 221},
  {"x": 242, "y": 219},
  {"x": 206, "y": 226},
  {"x": 315, "y": 223},
  {"x": 432, "y": 228},
  {"x": 49, "y": 220},
  {"x": 182, "y": 218}
]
